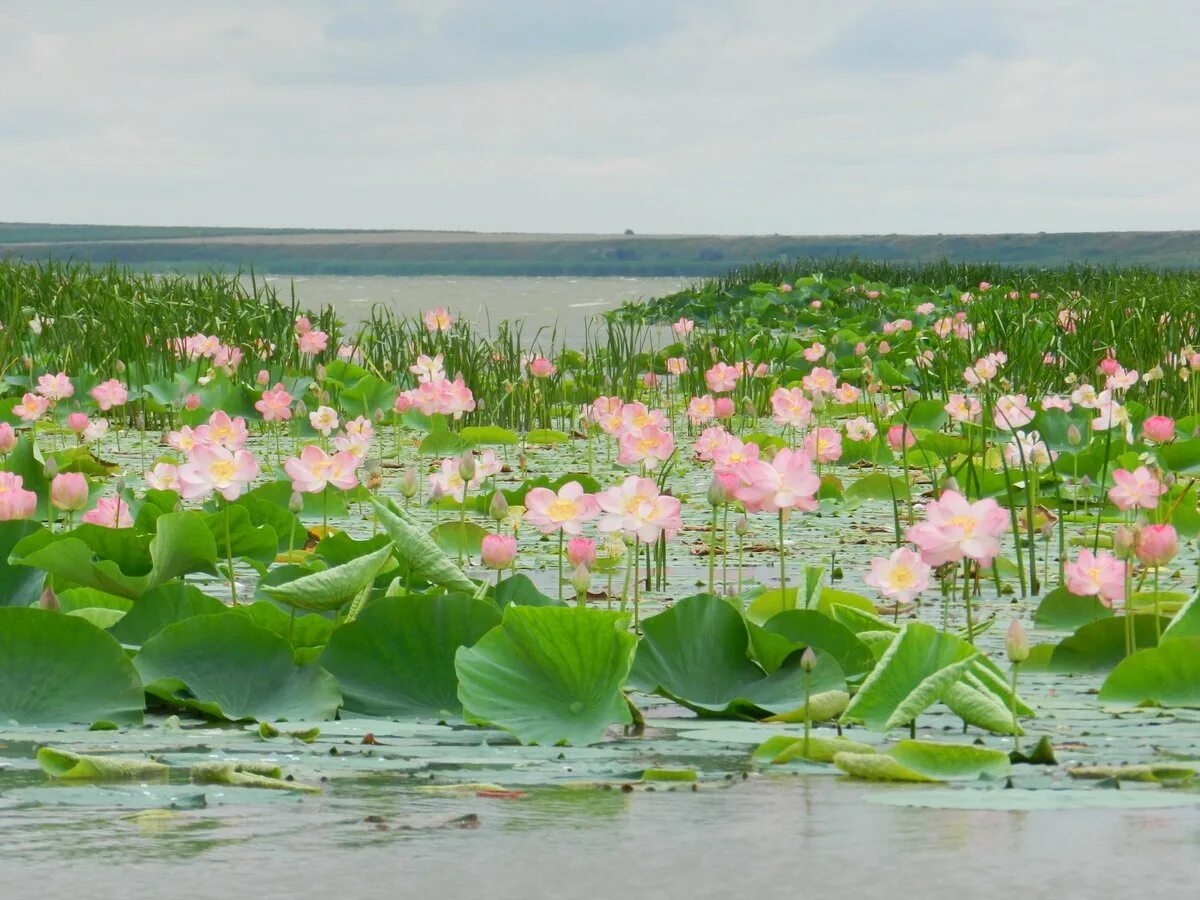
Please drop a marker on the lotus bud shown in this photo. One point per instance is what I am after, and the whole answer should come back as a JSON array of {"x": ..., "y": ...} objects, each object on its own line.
[
  {"x": 1159, "y": 429},
  {"x": 301, "y": 410},
  {"x": 717, "y": 495},
  {"x": 77, "y": 422},
  {"x": 808, "y": 659},
  {"x": 408, "y": 483},
  {"x": 498, "y": 507},
  {"x": 1016, "y": 642},
  {"x": 8, "y": 438},
  {"x": 1074, "y": 438},
  {"x": 581, "y": 580},
  {"x": 724, "y": 408},
  {"x": 951, "y": 484},
  {"x": 378, "y": 416},
  {"x": 466, "y": 466},
  {"x": 119, "y": 366},
  {"x": 581, "y": 551},
  {"x": 69, "y": 491},
  {"x": 818, "y": 402},
  {"x": 27, "y": 362},
  {"x": 741, "y": 526},
  {"x": 296, "y": 503},
  {"x": 50, "y": 467},
  {"x": 49, "y": 599},
  {"x": 192, "y": 401},
  {"x": 319, "y": 372},
  {"x": 1123, "y": 541},
  {"x": 499, "y": 551},
  {"x": 1156, "y": 545},
  {"x": 388, "y": 368}
]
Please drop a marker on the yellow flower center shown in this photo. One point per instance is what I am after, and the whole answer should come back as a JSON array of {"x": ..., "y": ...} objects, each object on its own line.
[
  {"x": 561, "y": 510},
  {"x": 223, "y": 470}
]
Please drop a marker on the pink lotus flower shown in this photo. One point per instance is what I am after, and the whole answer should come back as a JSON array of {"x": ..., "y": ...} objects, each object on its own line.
[
  {"x": 32, "y": 407},
  {"x": 861, "y": 429},
  {"x": 69, "y": 491},
  {"x": 15, "y": 501},
  {"x": 109, "y": 512},
  {"x": 222, "y": 431},
  {"x": 684, "y": 326},
  {"x": 637, "y": 509},
  {"x": 1156, "y": 545},
  {"x": 184, "y": 440},
  {"x": 438, "y": 319},
  {"x": 8, "y": 438},
  {"x": 649, "y": 380},
  {"x": 109, "y": 394},
  {"x": 314, "y": 469},
  {"x": 701, "y": 409},
  {"x": 899, "y": 577},
  {"x": 787, "y": 482},
  {"x": 732, "y": 452},
  {"x": 1160, "y": 429},
  {"x": 581, "y": 551},
  {"x": 961, "y": 408},
  {"x": 722, "y": 377},
  {"x": 724, "y": 408},
  {"x": 709, "y": 441},
  {"x": 791, "y": 407},
  {"x": 1136, "y": 488},
  {"x": 55, "y": 387},
  {"x": 899, "y": 437},
  {"x": 449, "y": 482},
  {"x": 955, "y": 528},
  {"x": 216, "y": 468},
  {"x": 540, "y": 367},
  {"x": 1099, "y": 575},
  {"x": 275, "y": 405},
  {"x": 499, "y": 551},
  {"x": 191, "y": 402},
  {"x": 565, "y": 511},
  {"x": 428, "y": 368},
  {"x": 1011, "y": 411},
  {"x": 824, "y": 445},
  {"x": 163, "y": 477},
  {"x": 77, "y": 422},
  {"x": 312, "y": 342},
  {"x": 1108, "y": 366},
  {"x": 263, "y": 378},
  {"x": 819, "y": 381},
  {"x": 323, "y": 419},
  {"x": 648, "y": 445},
  {"x": 95, "y": 431},
  {"x": 847, "y": 393},
  {"x": 303, "y": 325},
  {"x": 403, "y": 403},
  {"x": 814, "y": 352},
  {"x": 677, "y": 365}
]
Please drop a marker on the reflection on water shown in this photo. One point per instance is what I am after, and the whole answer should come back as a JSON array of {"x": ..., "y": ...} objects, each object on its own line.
[
  {"x": 764, "y": 837},
  {"x": 565, "y": 303}
]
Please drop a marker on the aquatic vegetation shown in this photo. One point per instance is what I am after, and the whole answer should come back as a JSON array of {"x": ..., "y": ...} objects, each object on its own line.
[{"x": 813, "y": 504}]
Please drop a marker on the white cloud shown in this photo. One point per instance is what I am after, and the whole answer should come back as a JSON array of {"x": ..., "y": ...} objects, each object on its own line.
[{"x": 710, "y": 116}]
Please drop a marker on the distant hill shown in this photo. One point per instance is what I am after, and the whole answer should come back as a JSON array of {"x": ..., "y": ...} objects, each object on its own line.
[{"x": 287, "y": 251}]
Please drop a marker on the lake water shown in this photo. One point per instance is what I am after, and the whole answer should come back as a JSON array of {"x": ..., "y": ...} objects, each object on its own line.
[{"x": 565, "y": 303}]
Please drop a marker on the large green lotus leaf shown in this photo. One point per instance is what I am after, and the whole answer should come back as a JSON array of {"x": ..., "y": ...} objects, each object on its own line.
[
  {"x": 1186, "y": 622},
  {"x": 770, "y": 603},
  {"x": 279, "y": 493},
  {"x": 397, "y": 657},
  {"x": 810, "y": 628},
  {"x": 90, "y": 598},
  {"x": 877, "y": 486},
  {"x": 26, "y": 460},
  {"x": 57, "y": 669},
  {"x": 549, "y": 674},
  {"x": 1101, "y": 645},
  {"x": 19, "y": 585},
  {"x": 915, "y": 670},
  {"x": 227, "y": 667},
  {"x": 979, "y": 707},
  {"x": 255, "y": 543},
  {"x": 925, "y": 761},
  {"x": 122, "y": 561},
  {"x": 697, "y": 653},
  {"x": 1064, "y": 611},
  {"x": 68, "y": 766},
  {"x": 784, "y": 748},
  {"x": 459, "y": 537},
  {"x": 478, "y": 435},
  {"x": 164, "y": 605},
  {"x": 307, "y": 634},
  {"x": 424, "y": 558},
  {"x": 332, "y": 588},
  {"x": 1167, "y": 675},
  {"x": 289, "y": 532},
  {"x": 520, "y": 590}
]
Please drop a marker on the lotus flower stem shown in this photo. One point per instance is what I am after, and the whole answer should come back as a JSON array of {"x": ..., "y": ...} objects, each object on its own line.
[
  {"x": 228, "y": 553},
  {"x": 782, "y": 558},
  {"x": 712, "y": 551}
]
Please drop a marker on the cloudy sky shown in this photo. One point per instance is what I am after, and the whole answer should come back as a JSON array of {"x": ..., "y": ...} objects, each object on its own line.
[{"x": 714, "y": 116}]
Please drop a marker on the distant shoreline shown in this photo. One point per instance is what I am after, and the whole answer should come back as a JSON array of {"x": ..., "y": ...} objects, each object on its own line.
[{"x": 417, "y": 252}]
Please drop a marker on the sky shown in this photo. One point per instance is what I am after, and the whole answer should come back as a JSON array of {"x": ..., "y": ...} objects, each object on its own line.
[{"x": 664, "y": 116}]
